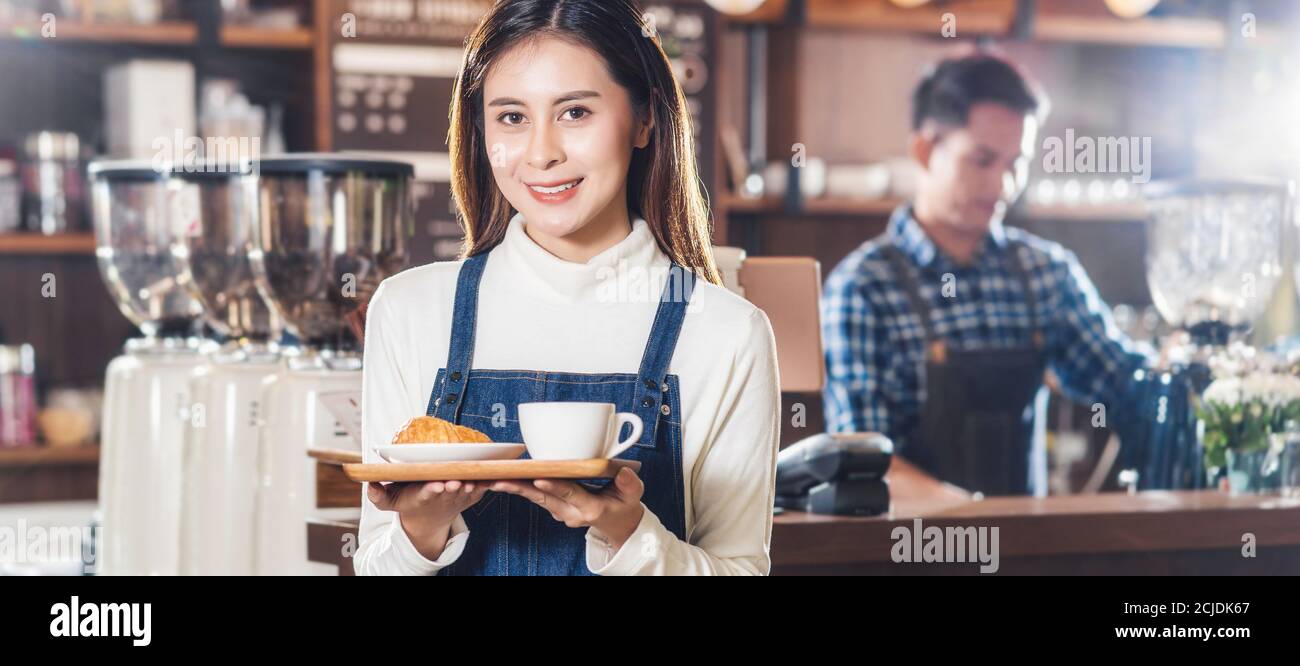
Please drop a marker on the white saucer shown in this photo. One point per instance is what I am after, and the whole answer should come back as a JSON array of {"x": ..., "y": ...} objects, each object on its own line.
[{"x": 429, "y": 453}]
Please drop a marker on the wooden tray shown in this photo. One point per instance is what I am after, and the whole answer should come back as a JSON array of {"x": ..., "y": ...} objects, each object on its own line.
[
  {"x": 334, "y": 456},
  {"x": 489, "y": 470}
]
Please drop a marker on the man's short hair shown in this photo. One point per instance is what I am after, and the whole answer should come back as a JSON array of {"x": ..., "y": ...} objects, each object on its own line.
[{"x": 949, "y": 90}]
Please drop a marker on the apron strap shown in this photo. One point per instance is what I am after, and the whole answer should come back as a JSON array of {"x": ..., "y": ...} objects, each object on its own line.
[
  {"x": 1019, "y": 266},
  {"x": 446, "y": 401},
  {"x": 651, "y": 377},
  {"x": 651, "y": 399},
  {"x": 935, "y": 348},
  {"x": 911, "y": 288}
]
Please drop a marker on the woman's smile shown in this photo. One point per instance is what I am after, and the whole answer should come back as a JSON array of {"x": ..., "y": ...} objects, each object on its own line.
[{"x": 556, "y": 192}]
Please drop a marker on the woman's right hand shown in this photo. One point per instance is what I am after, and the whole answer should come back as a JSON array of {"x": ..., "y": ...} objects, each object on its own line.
[{"x": 428, "y": 509}]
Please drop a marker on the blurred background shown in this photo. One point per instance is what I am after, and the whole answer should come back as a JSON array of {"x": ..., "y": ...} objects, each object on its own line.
[{"x": 824, "y": 85}]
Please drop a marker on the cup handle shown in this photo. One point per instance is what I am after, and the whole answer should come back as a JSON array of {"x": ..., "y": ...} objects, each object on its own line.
[{"x": 637, "y": 425}]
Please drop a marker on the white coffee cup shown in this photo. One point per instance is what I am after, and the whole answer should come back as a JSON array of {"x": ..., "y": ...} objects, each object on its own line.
[{"x": 575, "y": 430}]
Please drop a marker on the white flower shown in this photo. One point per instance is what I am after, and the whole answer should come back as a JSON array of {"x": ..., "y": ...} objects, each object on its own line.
[
  {"x": 1274, "y": 390},
  {"x": 1226, "y": 392}
]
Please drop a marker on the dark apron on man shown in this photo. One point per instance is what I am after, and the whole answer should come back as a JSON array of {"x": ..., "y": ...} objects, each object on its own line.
[{"x": 979, "y": 427}]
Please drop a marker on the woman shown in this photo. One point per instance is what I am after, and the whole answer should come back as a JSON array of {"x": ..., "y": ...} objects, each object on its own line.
[{"x": 567, "y": 112}]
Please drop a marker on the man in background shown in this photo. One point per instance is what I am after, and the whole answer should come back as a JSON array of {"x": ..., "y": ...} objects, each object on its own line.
[{"x": 938, "y": 332}]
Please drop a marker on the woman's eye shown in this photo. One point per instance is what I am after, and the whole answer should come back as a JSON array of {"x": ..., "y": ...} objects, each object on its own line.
[
  {"x": 575, "y": 113},
  {"x": 511, "y": 118}
]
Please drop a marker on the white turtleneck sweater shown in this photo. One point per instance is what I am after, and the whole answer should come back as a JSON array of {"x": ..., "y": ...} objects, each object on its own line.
[{"x": 537, "y": 311}]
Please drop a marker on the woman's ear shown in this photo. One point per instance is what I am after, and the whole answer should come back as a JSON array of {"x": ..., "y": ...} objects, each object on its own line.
[{"x": 643, "y": 129}]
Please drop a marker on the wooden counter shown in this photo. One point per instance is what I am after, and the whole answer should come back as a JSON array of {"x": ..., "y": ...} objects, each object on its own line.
[{"x": 1151, "y": 533}]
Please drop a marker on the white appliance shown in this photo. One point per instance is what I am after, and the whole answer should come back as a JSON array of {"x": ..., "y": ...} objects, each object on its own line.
[
  {"x": 146, "y": 397},
  {"x": 218, "y": 520},
  {"x": 215, "y": 205},
  {"x": 149, "y": 109},
  {"x": 296, "y": 420},
  {"x": 330, "y": 228}
]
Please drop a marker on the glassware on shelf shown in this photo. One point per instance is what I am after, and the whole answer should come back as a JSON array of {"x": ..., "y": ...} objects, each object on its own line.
[
  {"x": 1274, "y": 469},
  {"x": 17, "y": 396},
  {"x": 10, "y": 197},
  {"x": 53, "y": 190}
]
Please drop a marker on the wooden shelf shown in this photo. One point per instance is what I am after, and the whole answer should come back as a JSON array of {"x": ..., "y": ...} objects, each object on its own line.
[
  {"x": 734, "y": 204},
  {"x": 250, "y": 37},
  {"x": 182, "y": 33},
  {"x": 1174, "y": 32},
  {"x": 973, "y": 17},
  {"x": 49, "y": 474},
  {"x": 771, "y": 11},
  {"x": 845, "y": 207},
  {"x": 1117, "y": 212},
  {"x": 37, "y": 244},
  {"x": 997, "y": 18},
  {"x": 811, "y": 207},
  {"x": 49, "y": 456}
]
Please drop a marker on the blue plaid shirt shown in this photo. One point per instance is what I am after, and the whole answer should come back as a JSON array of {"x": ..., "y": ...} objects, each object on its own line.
[{"x": 875, "y": 351}]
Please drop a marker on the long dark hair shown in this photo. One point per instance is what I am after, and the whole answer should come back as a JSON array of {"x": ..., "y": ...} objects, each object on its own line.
[{"x": 663, "y": 186}]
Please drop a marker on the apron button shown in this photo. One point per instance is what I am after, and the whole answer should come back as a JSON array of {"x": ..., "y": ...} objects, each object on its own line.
[
  {"x": 663, "y": 409},
  {"x": 451, "y": 399},
  {"x": 650, "y": 384},
  {"x": 455, "y": 376},
  {"x": 665, "y": 387},
  {"x": 647, "y": 402}
]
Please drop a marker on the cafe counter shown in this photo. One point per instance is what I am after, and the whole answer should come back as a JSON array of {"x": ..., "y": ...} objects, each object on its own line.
[{"x": 1147, "y": 533}]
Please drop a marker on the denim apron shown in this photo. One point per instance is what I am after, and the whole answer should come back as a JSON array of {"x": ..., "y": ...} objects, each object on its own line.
[
  {"x": 978, "y": 423},
  {"x": 509, "y": 535}
]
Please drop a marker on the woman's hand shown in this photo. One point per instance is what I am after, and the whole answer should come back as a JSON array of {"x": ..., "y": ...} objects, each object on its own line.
[
  {"x": 427, "y": 510},
  {"x": 615, "y": 511}
]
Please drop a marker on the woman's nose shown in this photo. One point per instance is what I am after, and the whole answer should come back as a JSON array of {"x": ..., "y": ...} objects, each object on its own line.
[{"x": 544, "y": 150}]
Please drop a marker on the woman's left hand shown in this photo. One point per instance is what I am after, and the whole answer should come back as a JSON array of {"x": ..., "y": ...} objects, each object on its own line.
[{"x": 615, "y": 511}]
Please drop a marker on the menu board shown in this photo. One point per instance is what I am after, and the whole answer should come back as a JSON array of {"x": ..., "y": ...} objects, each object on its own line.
[{"x": 394, "y": 67}]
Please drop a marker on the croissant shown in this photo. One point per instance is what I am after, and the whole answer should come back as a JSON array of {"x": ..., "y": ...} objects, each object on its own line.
[{"x": 433, "y": 430}]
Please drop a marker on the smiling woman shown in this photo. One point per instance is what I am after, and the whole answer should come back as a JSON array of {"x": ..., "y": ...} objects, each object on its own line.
[
  {"x": 576, "y": 95},
  {"x": 572, "y": 170},
  {"x": 558, "y": 156}
]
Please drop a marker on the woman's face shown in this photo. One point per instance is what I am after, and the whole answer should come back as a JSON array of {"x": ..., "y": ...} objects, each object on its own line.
[{"x": 560, "y": 133}]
